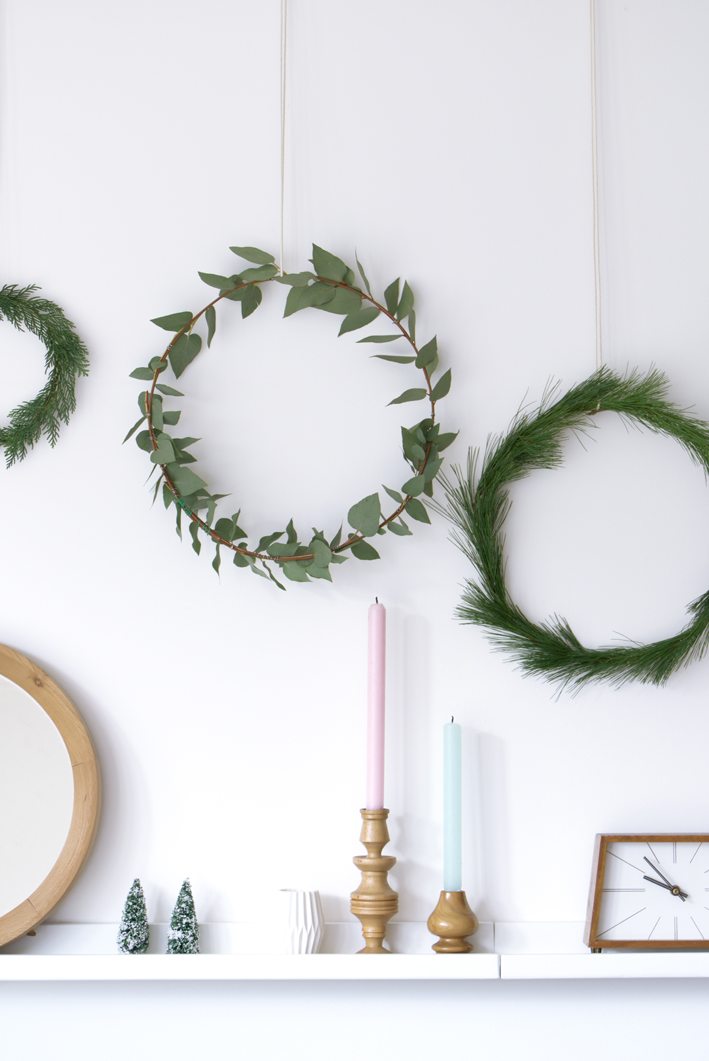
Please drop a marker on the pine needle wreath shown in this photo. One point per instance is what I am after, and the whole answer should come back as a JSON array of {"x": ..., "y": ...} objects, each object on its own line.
[
  {"x": 329, "y": 287},
  {"x": 477, "y": 506},
  {"x": 65, "y": 359}
]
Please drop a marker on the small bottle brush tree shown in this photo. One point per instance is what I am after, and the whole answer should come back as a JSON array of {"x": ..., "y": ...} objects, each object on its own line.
[
  {"x": 134, "y": 931},
  {"x": 183, "y": 937}
]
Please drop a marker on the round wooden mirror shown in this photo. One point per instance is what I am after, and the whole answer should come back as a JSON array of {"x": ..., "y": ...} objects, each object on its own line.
[{"x": 49, "y": 794}]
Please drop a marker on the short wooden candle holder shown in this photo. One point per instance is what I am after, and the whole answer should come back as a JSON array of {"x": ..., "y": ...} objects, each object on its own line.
[
  {"x": 375, "y": 901},
  {"x": 452, "y": 921}
]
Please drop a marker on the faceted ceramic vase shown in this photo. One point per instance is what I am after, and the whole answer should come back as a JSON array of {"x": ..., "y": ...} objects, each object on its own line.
[{"x": 302, "y": 921}]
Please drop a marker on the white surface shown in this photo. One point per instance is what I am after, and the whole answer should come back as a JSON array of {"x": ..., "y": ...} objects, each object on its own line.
[
  {"x": 450, "y": 144},
  {"x": 508, "y": 951},
  {"x": 36, "y": 794}
]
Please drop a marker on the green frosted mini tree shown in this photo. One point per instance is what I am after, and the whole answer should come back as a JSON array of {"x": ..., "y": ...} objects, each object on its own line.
[
  {"x": 183, "y": 937},
  {"x": 134, "y": 931}
]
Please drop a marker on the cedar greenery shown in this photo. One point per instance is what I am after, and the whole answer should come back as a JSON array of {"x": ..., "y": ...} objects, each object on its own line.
[
  {"x": 65, "y": 359},
  {"x": 477, "y": 506},
  {"x": 183, "y": 936},
  {"x": 331, "y": 287},
  {"x": 134, "y": 930}
]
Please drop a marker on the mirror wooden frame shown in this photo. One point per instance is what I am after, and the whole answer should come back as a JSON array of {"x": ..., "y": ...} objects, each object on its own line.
[{"x": 87, "y": 794}]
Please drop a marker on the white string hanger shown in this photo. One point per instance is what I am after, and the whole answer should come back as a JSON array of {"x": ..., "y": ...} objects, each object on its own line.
[
  {"x": 284, "y": 55},
  {"x": 594, "y": 184}
]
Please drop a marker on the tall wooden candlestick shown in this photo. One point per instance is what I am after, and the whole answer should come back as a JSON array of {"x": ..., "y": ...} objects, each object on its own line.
[{"x": 375, "y": 901}]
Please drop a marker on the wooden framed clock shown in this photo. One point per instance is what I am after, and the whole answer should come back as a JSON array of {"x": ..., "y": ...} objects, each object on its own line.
[{"x": 649, "y": 892}]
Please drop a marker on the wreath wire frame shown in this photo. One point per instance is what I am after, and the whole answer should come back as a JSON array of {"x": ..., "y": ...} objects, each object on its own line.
[
  {"x": 330, "y": 287},
  {"x": 66, "y": 359},
  {"x": 477, "y": 503}
]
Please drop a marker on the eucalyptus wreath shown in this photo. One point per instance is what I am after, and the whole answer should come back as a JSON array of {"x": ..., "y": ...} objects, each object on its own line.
[
  {"x": 330, "y": 287},
  {"x": 478, "y": 504},
  {"x": 65, "y": 359}
]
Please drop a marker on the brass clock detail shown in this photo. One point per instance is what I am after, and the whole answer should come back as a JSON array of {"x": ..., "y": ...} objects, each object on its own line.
[{"x": 649, "y": 892}]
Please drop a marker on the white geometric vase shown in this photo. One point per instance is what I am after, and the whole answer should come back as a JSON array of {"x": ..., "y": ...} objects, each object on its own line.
[{"x": 302, "y": 922}]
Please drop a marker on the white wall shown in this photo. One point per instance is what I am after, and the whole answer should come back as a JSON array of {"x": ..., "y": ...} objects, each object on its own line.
[{"x": 449, "y": 143}]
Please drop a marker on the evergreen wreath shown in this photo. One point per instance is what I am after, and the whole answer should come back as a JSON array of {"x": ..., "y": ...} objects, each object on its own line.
[
  {"x": 477, "y": 506},
  {"x": 66, "y": 359},
  {"x": 331, "y": 287}
]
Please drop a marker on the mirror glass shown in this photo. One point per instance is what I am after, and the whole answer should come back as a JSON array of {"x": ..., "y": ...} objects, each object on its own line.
[{"x": 36, "y": 794}]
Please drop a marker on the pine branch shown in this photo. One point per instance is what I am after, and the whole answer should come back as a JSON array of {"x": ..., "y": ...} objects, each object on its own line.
[
  {"x": 477, "y": 503},
  {"x": 66, "y": 358}
]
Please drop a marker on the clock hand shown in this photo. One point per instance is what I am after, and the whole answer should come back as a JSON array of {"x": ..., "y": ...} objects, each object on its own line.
[
  {"x": 656, "y": 870},
  {"x": 670, "y": 888}
]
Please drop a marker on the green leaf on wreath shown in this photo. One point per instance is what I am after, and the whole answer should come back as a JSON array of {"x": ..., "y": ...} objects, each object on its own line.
[
  {"x": 144, "y": 441},
  {"x": 329, "y": 266},
  {"x": 417, "y": 510},
  {"x": 134, "y": 428},
  {"x": 295, "y": 279},
  {"x": 431, "y": 470},
  {"x": 173, "y": 322},
  {"x": 156, "y": 412},
  {"x": 268, "y": 539},
  {"x": 360, "y": 318},
  {"x": 217, "y": 561},
  {"x": 442, "y": 387},
  {"x": 211, "y": 318},
  {"x": 165, "y": 452},
  {"x": 380, "y": 339},
  {"x": 183, "y": 352},
  {"x": 185, "y": 480},
  {"x": 427, "y": 353},
  {"x": 364, "y": 551},
  {"x": 214, "y": 280},
  {"x": 253, "y": 254},
  {"x": 172, "y": 416},
  {"x": 398, "y": 528},
  {"x": 362, "y": 273},
  {"x": 445, "y": 440},
  {"x": 365, "y": 515},
  {"x": 261, "y": 272},
  {"x": 322, "y": 554},
  {"x": 141, "y": 373},
  {"x": 414, "y": 394},
  {"x": 391, "y": 295},
  {"x": 394, "y": 495},
  {"x": 169, "y": 391},
  {"x": 414, "y": 486},
  {"x": 406, "y": 303},
  {"x": 398, "y": 359},
  {"x": 295, "y": 571},
  {"x": 343, "y": 301},
  {"x": 251, "y": 301},
  {"x": 194, "y": 532}
]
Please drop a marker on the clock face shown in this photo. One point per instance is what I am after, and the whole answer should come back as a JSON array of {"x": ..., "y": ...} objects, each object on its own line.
[{"x": 652, "y": 890}]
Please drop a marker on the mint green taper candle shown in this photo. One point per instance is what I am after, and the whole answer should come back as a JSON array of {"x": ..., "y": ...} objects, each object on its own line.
[{"x": 452, "y": 872}]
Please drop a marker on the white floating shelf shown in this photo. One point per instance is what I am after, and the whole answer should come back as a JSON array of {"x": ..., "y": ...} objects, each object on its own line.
[
  {"x": 87, "y": 952},
  {"x": 507, "y": 951},
  {"x": 555, "y": 951},
  {"x": 259, "y": 967}
]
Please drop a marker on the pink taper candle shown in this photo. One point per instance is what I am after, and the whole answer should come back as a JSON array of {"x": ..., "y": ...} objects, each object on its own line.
[{"x": 375, "y": 706}]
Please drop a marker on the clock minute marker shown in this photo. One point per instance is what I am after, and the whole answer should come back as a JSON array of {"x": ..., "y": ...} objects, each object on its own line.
[
  {"x": 630, "y": 863},
  {"x": 701, "y": 934},
  {"x": 611, "y": 927},
  {"x": 695, "y": 853},
  {"x": 654, "y": 927}
]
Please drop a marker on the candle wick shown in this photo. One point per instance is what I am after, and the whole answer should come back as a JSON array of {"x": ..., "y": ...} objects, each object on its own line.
[
  {"x": 452, "y": 718},
  {"x": 376, "y": 600}
]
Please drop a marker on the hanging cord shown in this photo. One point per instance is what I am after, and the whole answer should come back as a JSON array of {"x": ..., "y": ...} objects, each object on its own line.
[
  {"x": 284, "y": 41},
  {"x": 594, "y": 181}
]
